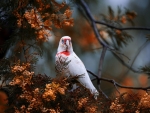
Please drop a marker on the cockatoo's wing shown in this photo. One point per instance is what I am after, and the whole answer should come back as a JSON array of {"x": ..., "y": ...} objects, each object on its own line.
[{"x": 77, "y": 68}]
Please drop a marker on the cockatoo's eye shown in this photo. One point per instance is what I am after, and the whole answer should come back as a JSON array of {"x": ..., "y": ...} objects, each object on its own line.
[{"x": 63, "y": 41}]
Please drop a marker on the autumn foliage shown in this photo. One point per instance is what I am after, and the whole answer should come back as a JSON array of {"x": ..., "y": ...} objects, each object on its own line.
[{"x": 23, "y": 91}]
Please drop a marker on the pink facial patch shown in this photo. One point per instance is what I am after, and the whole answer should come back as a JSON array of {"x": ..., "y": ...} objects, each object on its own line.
[
  {"x": 66, "y": 53},
  {"x": 67, "y": 38}
]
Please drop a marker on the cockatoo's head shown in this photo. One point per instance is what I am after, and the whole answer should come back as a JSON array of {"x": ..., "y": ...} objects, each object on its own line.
[{"x": 65, "y": 44}]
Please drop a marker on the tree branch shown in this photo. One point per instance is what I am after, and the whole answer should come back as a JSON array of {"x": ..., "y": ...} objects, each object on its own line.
[
  {"x": 100, "y": 69},
  {"x": 24, "y": 51},
  {"x": 125, "y": 28},
  {"x": 104, "y": 44},
  {"x": 101, "y": 62},
  {"x": 117, "y": 84},
  {"x": 113, "y": 50},
  {"x": 89, "y": 15}
]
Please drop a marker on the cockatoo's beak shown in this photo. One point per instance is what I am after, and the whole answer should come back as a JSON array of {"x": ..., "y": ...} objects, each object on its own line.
[{"x": 67, "y": 43}]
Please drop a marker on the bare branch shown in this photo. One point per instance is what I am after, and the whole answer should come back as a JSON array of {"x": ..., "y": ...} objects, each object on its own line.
[
  {"x": 116, "y": 52},
  {"x": 116, "y": 87},
  {"x": 101, "y": 62},
  {"x": 117, "y": 84},
  {"x": 125, "y": 28},
  {"x": 98, "y": 79},
  {"x": 100, "y": 69}
]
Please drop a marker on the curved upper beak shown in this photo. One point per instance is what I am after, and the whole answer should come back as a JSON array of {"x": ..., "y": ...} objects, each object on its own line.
[{"x": 67, "y": 43}]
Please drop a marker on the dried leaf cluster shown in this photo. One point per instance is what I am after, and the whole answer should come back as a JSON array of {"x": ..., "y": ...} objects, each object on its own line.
[
  {"x": 31, "y": 23},
  {"x": 131, "y": 102},
  {"x": 32, "y": 93},
  {"x": 118, "y": 37},
  {"x": 41, "y": 15}
]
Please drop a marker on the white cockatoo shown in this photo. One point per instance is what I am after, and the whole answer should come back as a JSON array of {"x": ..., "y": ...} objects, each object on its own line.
[{"x": 75, "y": 66}]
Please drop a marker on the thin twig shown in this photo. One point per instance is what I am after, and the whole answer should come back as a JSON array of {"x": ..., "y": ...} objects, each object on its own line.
[
  {"x": 125, "y": 28},
  {"x": 138, "y": 52},
  {"x": 117, "y": 84},
  {"x": 24, "y": 51},
  {"x": 121, "y": 54},
  {"x": 127, "y": 65},
  {"x": 29, "y": 46},
  {"x": 116, "y": 87}
]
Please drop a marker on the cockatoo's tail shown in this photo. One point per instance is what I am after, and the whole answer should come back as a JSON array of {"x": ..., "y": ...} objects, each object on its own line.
[{"x": 75, "y": 66}]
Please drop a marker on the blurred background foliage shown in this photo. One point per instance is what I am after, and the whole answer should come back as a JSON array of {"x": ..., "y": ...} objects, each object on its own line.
[
  {"x": 119, "y": 13},
  {"x": 115, "y": 12}
]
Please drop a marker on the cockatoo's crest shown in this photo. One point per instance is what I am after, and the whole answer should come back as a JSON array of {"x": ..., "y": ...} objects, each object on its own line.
[{"x": 65, "y": 46}]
